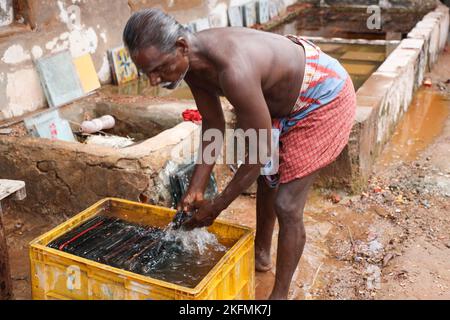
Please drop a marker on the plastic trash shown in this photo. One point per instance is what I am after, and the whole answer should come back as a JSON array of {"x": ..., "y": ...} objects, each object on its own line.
[
  {"x": 179, "y": 183},
  {"x": 99, "y": 124}
]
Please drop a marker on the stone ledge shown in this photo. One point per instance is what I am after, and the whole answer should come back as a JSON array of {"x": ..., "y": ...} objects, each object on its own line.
[
  {"x": 386, "y": 95},
  {"x": 411, "y": 43},
  {"x": 434, "y": 30},
  {"x": 167, "y": 138},
  {"x": 400, "y": 59},
  {"x": 377, "y": 85},
  {"x": 13, "y": 29}
]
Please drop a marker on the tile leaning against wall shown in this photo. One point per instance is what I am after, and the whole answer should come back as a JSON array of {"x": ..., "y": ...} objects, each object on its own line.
[{"x": 93, "y": 32}]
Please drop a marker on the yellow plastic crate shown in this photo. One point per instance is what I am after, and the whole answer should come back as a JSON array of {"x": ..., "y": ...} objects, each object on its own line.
[{"x": 59, "y": 275}]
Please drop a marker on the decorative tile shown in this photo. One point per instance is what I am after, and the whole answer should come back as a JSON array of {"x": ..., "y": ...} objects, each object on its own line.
[
  {"x": 280, "y": 6},
  {"x": 273, "y": 9},
  {"x": 49, "y": 125},
  {"x": 235, "y": 17},
  {"x": 202, "y": 24},
  {"x": 59, "y": 79},
  {"x": 262, "y": 11},
  {"x": 87, "y": 73},
  {"x": 122, "y": 67},
  {"x": 249, "y": 14},
  {"x": 191, "y": 27},
  {"x": 218, "y": 18}
]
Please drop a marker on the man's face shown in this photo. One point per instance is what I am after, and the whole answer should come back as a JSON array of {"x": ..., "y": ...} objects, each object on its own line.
[{"x": 161, "y": 67}]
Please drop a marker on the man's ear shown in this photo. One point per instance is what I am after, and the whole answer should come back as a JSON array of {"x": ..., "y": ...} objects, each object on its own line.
[{"x": 183, "y": 45}]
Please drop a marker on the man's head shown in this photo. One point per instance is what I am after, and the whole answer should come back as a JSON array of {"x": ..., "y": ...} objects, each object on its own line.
[{"x": 158, "y": 46}]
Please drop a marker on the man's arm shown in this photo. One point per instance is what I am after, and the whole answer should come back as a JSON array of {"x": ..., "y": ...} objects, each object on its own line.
[
  {"x": 243, "y": 90},
  {"x": 210, "y": 108}
]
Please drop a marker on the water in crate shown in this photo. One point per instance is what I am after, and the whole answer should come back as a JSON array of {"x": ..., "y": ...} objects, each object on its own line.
[{"x": 176, "y": 256}]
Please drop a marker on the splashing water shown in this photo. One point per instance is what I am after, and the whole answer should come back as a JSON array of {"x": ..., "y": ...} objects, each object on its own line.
[
  {"x": 184, "y": 257},
  {"x": 195, "y": 241},
  {"x": 170, "y": 254}
]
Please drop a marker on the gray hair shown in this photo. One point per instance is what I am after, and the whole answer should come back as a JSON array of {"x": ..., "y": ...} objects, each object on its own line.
[{"x": 152, "y": 27}]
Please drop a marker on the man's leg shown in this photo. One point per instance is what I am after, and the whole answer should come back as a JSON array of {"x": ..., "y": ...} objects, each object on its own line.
[
  {"x": 289, "y": 205},
  {"x": 265, "y": 220}
]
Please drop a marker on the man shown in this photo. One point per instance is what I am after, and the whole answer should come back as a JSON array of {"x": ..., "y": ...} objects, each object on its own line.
[{"x": 272, "y": 81}]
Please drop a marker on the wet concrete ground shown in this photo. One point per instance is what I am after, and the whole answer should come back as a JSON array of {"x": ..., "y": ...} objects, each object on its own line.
[{"x": 424, "y": 121}]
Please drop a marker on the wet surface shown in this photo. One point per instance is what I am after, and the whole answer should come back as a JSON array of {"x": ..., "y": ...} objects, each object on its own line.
[
  {"x": 386, "y": 243},
  {"x": 175, "y": 256},
  {"x": 421, "y": 124},
  {"x": 336, "y": 235}
]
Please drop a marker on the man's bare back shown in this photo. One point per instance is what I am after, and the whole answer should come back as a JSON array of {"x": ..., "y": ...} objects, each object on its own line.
[{"x": 274, "y": 60}]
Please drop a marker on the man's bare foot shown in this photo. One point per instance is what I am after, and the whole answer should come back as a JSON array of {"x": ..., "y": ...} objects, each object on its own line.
[{"x": 263, "y": 262}]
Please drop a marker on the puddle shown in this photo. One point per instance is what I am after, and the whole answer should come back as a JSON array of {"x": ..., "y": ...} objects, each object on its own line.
[{"x": 421, "y": 124}]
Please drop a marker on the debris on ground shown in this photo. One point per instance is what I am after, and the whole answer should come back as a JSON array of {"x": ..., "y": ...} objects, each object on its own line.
[{"x": 427, "y": 82}]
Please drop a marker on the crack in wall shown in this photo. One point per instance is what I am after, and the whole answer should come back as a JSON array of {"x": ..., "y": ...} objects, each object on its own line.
[{"x": 56, "y": 175}]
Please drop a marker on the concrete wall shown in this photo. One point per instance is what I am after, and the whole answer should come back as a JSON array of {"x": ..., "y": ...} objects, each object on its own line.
[
  {"x": 381, "y": 101},
  {"x": 6, "y": 12},
  {"x": 98, "y": 28},
  {"x": 65, "y": 178},
  {"x": 386, "y": 96},
  {"x": 186, "y": 11},
  {"x": 80, "y": 26}
]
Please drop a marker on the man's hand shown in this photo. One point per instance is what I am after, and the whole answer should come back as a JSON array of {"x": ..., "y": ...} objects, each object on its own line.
[
  {"x": 204, "y": 216},
  {"x": 189, "y": 201}
]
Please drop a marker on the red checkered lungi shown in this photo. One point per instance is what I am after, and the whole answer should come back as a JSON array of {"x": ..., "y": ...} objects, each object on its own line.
[{"x": 318, "y": 139}]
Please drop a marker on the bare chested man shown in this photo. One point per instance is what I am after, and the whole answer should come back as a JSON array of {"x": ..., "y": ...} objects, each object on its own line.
[{"x": 272, "y": 81}]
